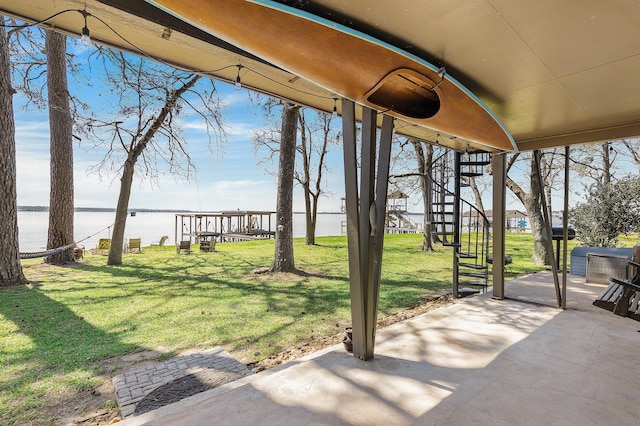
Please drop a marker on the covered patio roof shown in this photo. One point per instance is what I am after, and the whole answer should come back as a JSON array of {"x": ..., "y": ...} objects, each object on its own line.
[{"x": 554, "y": 74}]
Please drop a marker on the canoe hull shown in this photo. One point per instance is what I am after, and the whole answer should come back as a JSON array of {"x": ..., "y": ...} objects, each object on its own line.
[{"x": 348, "y": 63}]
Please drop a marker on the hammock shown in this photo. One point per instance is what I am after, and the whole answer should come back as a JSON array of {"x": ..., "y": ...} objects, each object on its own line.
[
  {"x": 45, "y": 253},
  {"x": 53, "y": 252}
]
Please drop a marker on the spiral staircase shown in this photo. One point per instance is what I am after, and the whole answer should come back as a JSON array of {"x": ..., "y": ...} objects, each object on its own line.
[{"x": 458, "y": 223}]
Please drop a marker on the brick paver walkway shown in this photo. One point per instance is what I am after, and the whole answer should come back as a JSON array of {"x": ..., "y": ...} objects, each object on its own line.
[{"x": 132, "y": 386}]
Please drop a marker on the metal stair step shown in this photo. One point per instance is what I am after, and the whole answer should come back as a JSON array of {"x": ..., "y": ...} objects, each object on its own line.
[
  {"x": 471, "y": 174},
  {"x": 467, "y": 256},
  {"x": 450, "y": 244},
  {"x": 473, "y": 274},
  {"x": 467, "y": 291},
  {"x": 472, "y": 266},
  {"x": 473, "y": 283},
  {"x": 474, "y": 163}
]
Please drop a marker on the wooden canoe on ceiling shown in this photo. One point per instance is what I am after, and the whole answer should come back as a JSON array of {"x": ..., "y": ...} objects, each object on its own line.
[{"x": 349, "y": 63}]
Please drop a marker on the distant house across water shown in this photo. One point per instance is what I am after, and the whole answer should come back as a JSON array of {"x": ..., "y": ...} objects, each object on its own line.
[{"x": 515, "y": 220}]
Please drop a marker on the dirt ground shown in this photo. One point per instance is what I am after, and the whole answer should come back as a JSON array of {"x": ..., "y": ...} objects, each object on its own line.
[{"x": 98, "y": 406}]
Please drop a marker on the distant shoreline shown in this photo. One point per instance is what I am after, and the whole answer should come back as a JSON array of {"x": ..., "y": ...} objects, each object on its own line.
[
  {"x": 112, "y": 210},
  {"x": 100, "y": 210}
]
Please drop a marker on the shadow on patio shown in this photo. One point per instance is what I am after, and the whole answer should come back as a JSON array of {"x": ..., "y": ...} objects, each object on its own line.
[{"x": 477, "y": 361}]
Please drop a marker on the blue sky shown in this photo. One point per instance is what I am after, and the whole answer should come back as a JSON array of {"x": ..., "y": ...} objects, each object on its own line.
[{"x": 225, "y": 180}]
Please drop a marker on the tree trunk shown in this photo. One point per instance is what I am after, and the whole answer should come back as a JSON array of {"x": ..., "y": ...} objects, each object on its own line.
[
  {"x": 120, "y": 222},
  {"x": 476, "y": 195},
  {"x": 541, "y": 254},
  {"x": 10, "y": 268},
  {"x": 424, "y": 170},
  {"x": 606, "y": 163},
  {"x": 283, "y": 260},
  {"x": 310, "y": 225},
  {"x": 61, "y": 146},
  {"x": 311, "y": 213}
]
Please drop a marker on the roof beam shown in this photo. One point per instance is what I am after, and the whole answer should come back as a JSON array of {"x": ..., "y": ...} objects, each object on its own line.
[{"x": 625, "y": 131}]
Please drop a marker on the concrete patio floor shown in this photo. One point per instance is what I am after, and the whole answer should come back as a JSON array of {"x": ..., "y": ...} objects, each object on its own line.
[{"x": 478, "y": 361}]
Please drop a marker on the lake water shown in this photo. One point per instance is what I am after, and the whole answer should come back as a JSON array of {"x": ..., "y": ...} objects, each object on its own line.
[{"x": 149, "y": 226}]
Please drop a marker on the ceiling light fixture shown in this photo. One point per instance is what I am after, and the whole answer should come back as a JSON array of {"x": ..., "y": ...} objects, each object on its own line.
[
  {"x": 85, "y": 37},
  {"x": 238, "y": 82}
]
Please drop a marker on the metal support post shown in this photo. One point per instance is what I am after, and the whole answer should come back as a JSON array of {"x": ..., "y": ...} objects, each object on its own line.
[
  {"x": 498, "y": 167},
  {"x": 456, "y": 223},
  {"x": 365, "y": 212},
  {"x": 565, "y": 226},
  {"x": 547, "y": 226}
]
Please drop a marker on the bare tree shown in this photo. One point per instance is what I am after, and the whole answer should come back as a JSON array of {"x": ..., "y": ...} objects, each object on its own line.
[
  {"x": 283, "y": 259},
  {"x": 313, "y": 156},
  {"x": 150, "y": 99},
  {"x": 10, "y": 268},
  {"x": 633, "y": 147},
  {"x": 61, "y": 207},
  {"x": 596, "y": 161},
  {"x": 531, "y": 200},
  {"x": 316, "y": 135},
  {"x": 424, "y": 159},
  {"x": 422, "y": 176}
]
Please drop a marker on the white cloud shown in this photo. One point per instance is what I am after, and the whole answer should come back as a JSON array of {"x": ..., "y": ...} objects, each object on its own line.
[{"x": 231, "y": 98}]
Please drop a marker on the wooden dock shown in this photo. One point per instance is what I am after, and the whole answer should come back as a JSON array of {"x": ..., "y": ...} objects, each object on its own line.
[{"x": 225, "y": 226}]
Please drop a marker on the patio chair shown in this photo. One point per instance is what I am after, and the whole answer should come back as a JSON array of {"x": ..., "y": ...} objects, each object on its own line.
[
  {"x": 160, "y": 243},
  {"x": 622, "y": 297},
  {"x": 104, "y": 244},
  {"x": 184, "y": 245},
  {"x": 207, "y": 245},
  {"x": 507, "y": 261},
  {"x": 134, "y": 244}
]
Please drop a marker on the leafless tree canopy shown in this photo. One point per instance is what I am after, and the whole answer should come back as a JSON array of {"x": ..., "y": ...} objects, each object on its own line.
[
  {"x": 139, "y": 121},
  {"x": 143, "y": 113}
]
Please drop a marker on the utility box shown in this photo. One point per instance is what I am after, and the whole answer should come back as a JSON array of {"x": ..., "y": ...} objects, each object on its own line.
[{"x": 600, "y": 267}]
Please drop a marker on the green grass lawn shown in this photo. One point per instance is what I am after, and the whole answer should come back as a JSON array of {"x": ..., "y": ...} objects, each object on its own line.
[{"x": 56, "y": 332}]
